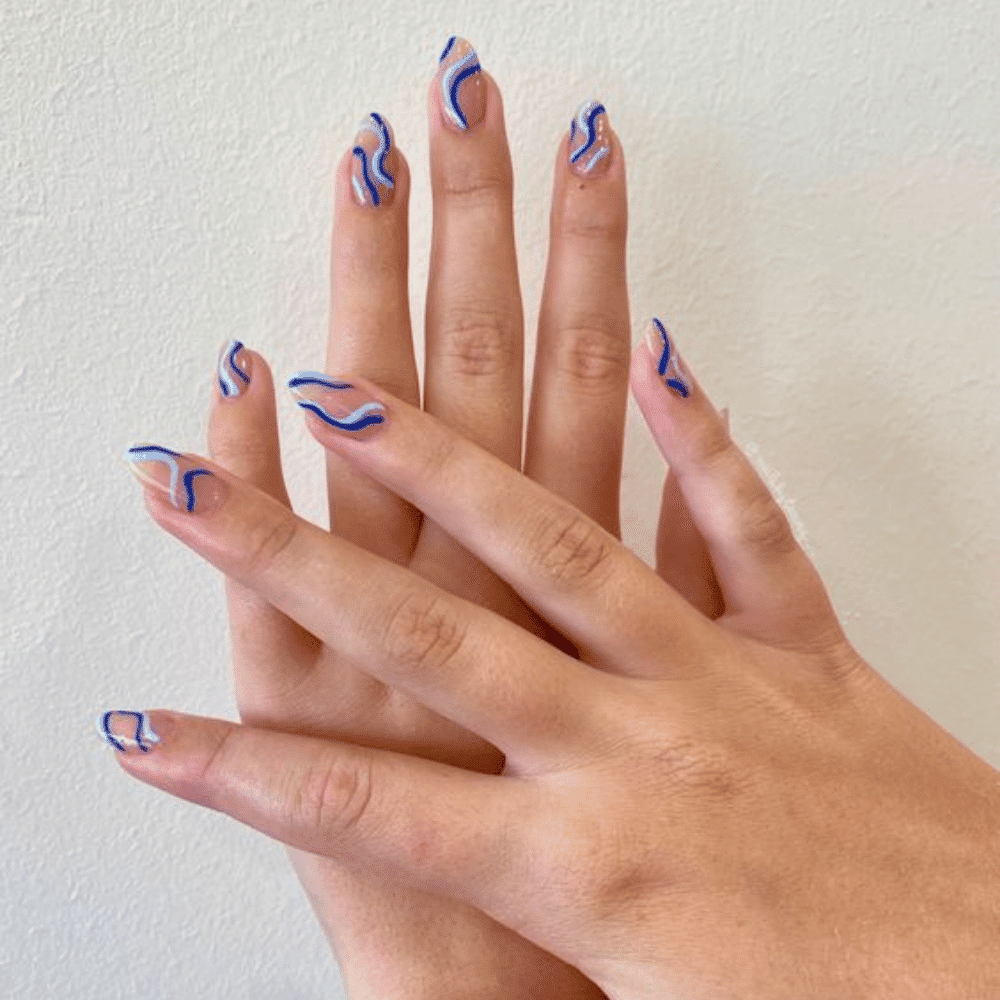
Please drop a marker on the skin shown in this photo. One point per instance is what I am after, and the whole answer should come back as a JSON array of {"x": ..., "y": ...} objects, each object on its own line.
[{"x": 718, "y": 797}]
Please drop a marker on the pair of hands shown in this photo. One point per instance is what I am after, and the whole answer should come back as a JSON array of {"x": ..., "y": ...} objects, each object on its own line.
[{"x": 705, "y": 791}]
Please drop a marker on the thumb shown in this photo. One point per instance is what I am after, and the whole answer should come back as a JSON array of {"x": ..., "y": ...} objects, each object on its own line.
[{"x": 403, "y": 818}]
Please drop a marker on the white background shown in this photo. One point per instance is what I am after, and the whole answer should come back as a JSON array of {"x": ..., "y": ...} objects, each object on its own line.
[{"x": 814, "y": 192}]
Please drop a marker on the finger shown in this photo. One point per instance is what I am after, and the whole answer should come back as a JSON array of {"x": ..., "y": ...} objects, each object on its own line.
[
  {"x": 370, "y": 323},
  {"x": 243, "y": 439},
  {"x": 474, "y": 364},
  {"x": 464, "y": 662},
  {"x": 770, "y": 588},
  {"x": 575, "y": 574},
  {"x": 424, "y": 823},
  {"x": 577, "y": 419}
]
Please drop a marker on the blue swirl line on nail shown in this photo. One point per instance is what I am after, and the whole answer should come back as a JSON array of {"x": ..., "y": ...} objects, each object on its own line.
[
  {"x": 229, "y": 372},
  {"x": 316, "y": 378},
  {"x": 448, "y": 47},
  {"x": 453, "y": 78},
  {"x": 360, "y": 153},
  {"x": 364, "y": 416},
  {"x": 381, "y": 130},
  {"x": 143, "y": 731},
  {"x": 668, "y": 368},
  {"x": 154, "y": 453},
  {"x": 585, "y": 123},
  {"x": 189, "y": 478}
]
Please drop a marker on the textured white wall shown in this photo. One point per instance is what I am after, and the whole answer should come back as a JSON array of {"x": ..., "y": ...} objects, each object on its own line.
[{"x": 815, "y": 194}]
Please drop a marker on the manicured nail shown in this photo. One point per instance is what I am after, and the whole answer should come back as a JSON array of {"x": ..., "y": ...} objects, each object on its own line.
[
  {"x": 182, "y": 479},
  {"x": 664, "y": 355},
  {"x": 233, "y": 369},
  {"x": 340, "y": 405},
  {"x": 127, "y": 731},
  {"x": 589, "y": 140},
  {"x": 463, "y": 90},
  {"x": 373, "y": 163}
]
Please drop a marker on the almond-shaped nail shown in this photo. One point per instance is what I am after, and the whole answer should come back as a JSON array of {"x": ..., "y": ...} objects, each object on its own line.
[
  {"x": 127, "y": 731},
  {"x": 233, "y": 369},
  {"x": 463, "y": 89},
  {"x": 590, "y": 140},
  {"x": 341, "y": 406},
  {"x": 666, "y": 360},
  {"x": 373, "y": 163},
  {"x": 181, "y": 479}
]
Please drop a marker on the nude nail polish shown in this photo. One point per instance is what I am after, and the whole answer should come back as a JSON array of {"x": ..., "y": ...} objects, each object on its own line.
[
  {"x": 181, "y": 479},
  {"x": 373, "y": 164},
  {"x": 463, "y": 89},
  {"x": 665, "y": 358},
  {"x": 233, "y": 369},
  {"x": 341, "y": 406},
  {"x": 127, "y": 731},
  {"x": 589, "y": 140}
]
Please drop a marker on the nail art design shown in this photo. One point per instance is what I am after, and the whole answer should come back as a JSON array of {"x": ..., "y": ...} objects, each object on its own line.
[
  {"x": 341, "y": 405},
  {"x": 669, "y": 367},
  {"x": 370, "y": 177},
  {"x": 463, "y": 95},
  {"x": 142, "y": 735},
  {"x": 183, "y": 473},
  {"x": 588, "y": 139},
  {"x": 233, "y": 376}
]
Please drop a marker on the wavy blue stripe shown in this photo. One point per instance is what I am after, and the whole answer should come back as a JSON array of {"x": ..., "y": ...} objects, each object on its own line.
[
  {"x": 448, "y": 47},
  {"x": 587, "y": 126},
  {"x": 189, "y": 477},
  {"x": 382, "y": 174},
  {"x": 316, "y": 378},
  {"x": 356, "y": 421},
  {"x": 228, "y": 368},
  {"x": 142, "y": 730},
  {"x": 360, "y": 153},
  {"x": 154, "y": 453},
  {"x": 668, "y": 360},
  {"x": 453, "y": 79}
]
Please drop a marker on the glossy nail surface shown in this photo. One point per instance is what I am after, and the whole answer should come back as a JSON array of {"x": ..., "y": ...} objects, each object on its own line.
[
  {"x": 589, "y": 140},
  {"x": 341, "y": 406},
  {"x": 373, "y": 163},
  {"x": 664, "y": 356},
  {"x": 181, "y": 479},
  {"x": 127, "y": 731},
  {"x": 233, "y": 369},
  {"x": 463, "y": 90}
]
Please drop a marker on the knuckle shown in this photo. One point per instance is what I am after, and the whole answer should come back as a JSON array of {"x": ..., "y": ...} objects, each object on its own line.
[
  {"x": 478, "y": 183},
  {"x": 330, "y": 797},
  {"x": 478, "y": 342},
  {"x": 764, "y": 527},
  {"x": 424, "y": 633},
  {"x": 593, "y": 353},
  {"x": 573, "y": 551},
  {"x": 603, "y": 222},
  {"x": 265, "y": 540}
]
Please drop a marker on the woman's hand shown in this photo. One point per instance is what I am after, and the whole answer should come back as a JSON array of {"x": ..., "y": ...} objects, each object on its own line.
[
  {"x": 699, "y": 809},
  {"x": 388, "y": 937}
]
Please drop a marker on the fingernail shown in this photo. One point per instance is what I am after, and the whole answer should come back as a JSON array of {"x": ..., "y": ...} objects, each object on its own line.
[
  {"x": 181, "y": 479},
  {"x": 463, "y": 90},
  {"x": 666, "y": 359},
  {"x": 341, "y": 405},
  {"x": 373, "y": 163},
  {"x": 233, "y": 369},
  {"x": 589, "y": 140},
  {"x": 127, "y": 731}
]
